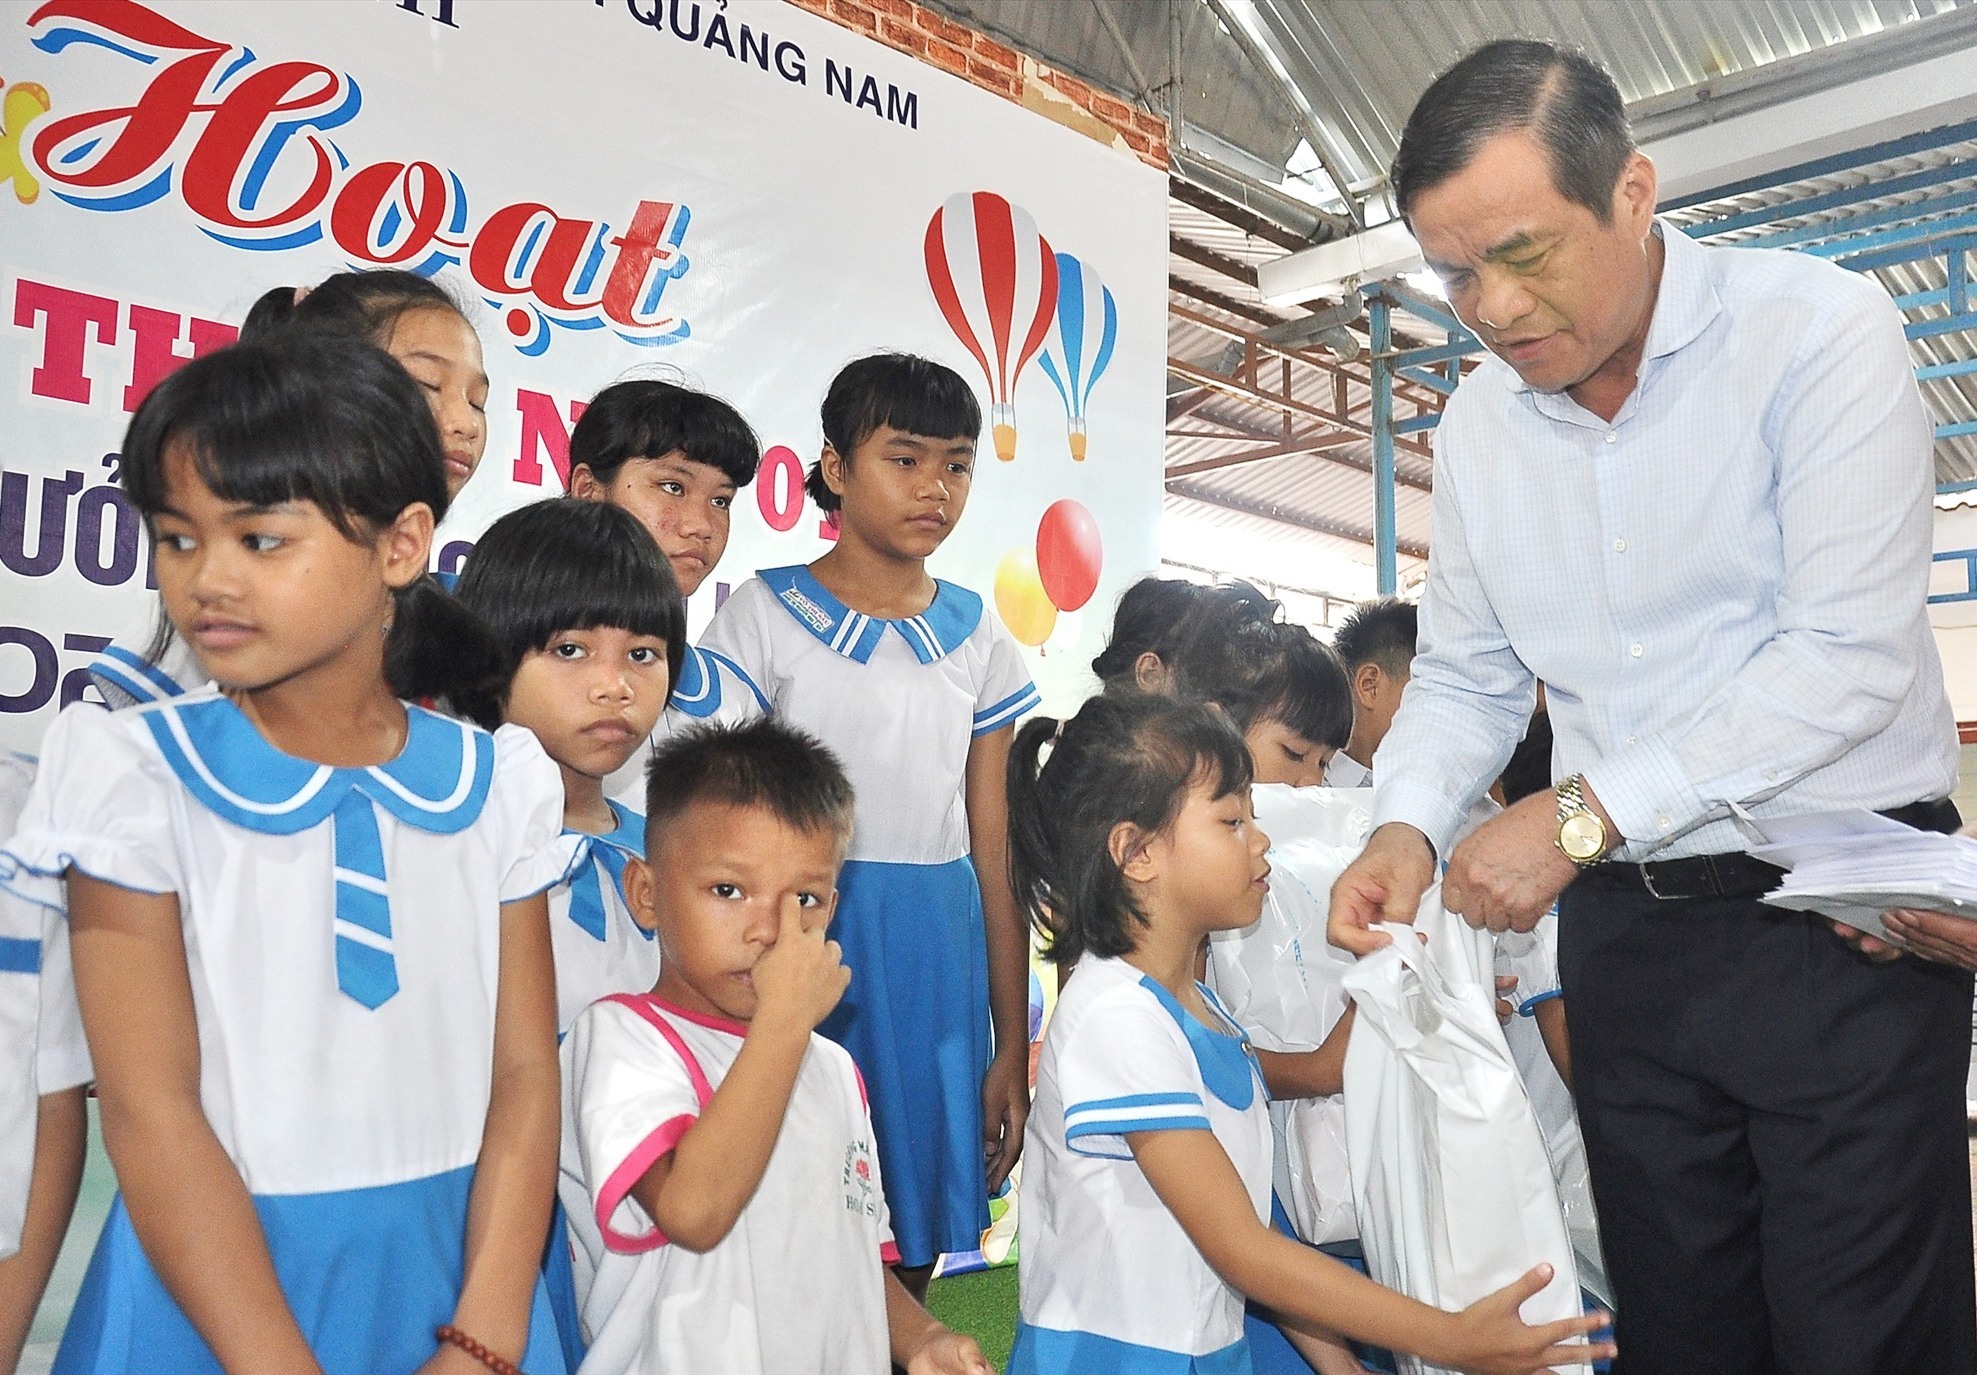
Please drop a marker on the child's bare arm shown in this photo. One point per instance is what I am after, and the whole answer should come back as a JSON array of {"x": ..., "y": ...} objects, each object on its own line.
[
  {"x": 1551, "y": 1026},
  {"x": 1006, "y": 1088},
  {"x": 1316, "y": 1073},
  {"x": 61, "y": 1130},
  {"x": 515, "y": 1177},
  {"x": 187, "y": 1201},
  {"x": 696, "y": 1191},
  {"x": 1192, "y": 1175},
  {"x": 921, "y": 1345}
]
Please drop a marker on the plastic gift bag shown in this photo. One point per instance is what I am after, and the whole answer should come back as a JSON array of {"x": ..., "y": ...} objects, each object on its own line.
[
  {"x": 1452, "y": 1182},
  {"x": 1284, "y": 984}
]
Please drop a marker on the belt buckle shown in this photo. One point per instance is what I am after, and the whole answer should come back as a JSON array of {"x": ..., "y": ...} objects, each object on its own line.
[
  {"x": 1647, "y": 882},
  {"x": 1712, "y": 888}
]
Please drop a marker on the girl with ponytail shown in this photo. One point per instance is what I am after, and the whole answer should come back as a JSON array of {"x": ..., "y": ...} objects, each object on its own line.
[
  {"x": 1146, "y": 1190},
  {"x": 307, "y": 918}
]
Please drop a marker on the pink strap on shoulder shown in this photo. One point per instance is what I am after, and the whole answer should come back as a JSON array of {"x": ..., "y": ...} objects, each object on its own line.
[{"x": 641, "y": 1005}]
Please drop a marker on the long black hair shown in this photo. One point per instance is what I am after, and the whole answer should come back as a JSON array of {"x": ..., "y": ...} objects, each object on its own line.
[
  {"x": 1234, "y": 649},
  {"x": 335, "y": 422},
  {"x": 565, "y": 564},
  {"x": 1125, "y": 757}
]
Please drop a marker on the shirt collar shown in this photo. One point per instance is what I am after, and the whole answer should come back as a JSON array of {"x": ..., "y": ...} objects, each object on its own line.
[
  {"x": 933, "y": 634},
  {"x": 438, "y": 783},
  {"x": 627, "y": 835}
]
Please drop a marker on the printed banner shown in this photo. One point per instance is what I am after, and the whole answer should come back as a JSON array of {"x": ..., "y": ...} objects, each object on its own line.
[{"x": 734, "y": 194}]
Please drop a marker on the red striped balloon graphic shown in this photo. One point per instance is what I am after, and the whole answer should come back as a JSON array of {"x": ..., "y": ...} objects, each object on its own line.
[{"x": 995, "y": 280}]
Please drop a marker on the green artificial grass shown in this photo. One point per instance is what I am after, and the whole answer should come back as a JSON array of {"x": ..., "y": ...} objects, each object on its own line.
[{"x": 983, "y": 1305}]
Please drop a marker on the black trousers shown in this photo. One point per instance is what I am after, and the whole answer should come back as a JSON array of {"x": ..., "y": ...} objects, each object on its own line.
[{"x": 1776, "y": 1133}]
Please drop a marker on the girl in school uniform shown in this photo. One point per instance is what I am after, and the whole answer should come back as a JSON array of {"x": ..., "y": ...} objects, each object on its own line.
[
  {"x": 410, "y": 317},
  {"x": 307, "y": 918},
  {"x": 907, "y": 679},
  {"x": 1147, "y": 1190}
]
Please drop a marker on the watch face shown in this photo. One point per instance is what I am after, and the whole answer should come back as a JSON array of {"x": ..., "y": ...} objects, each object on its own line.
[{"x": 1582, "y": 837}]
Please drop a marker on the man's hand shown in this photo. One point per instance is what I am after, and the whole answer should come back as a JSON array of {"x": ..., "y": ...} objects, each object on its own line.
[
  {"x": 1384, "y": 884},
  {"x": 1508, "y": 873},
  {"x": 1937, "y": 936}
]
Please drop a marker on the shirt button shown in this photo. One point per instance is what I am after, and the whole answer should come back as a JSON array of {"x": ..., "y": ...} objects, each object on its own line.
[
  {"x": 1634, "y": 650},
  {"x": 1771, "y": 774},
  {"x": 1620, "y": 546},
  {"x": 1612, "y": 438},
  {"x": 1633, "y": 739},
  {"x": 1663, "y": 822}
]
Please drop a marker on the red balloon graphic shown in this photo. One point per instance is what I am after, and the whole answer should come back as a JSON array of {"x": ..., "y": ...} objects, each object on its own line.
[
  {"x": 1069, "y": 554},
  {"x": 995, "y": 280}
]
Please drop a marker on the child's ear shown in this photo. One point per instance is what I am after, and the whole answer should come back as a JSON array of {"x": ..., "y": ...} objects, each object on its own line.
[
  {"x": 406, "y": 545},
  {"x": 641, "y": 895},
  {"x": 1150, "y": 674},
  {"x": 833, "y": 465},
  {"x": 584, "y": 485},
  {"x": 1366, "y": 683},
  {"x": 1127, "y": 844}
]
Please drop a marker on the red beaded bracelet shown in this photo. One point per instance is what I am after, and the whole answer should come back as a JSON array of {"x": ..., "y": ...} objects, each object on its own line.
[{"x": 453, "y": 1336}]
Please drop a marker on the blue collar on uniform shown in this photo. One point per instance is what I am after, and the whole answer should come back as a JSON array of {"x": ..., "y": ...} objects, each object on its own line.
[
  {"x": 605, "y": 854},
  {"x": 933, "y": 634},
  {"x": 698, "y": 692},
  {"x": 438, "y": 783},
  {"x": 1226, "y": 1060}
]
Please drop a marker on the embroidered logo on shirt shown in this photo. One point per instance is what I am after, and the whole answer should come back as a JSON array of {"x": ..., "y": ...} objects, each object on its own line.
[
  {"x": 858, "y": 1196},
  {"x": 818, "y": 618}
]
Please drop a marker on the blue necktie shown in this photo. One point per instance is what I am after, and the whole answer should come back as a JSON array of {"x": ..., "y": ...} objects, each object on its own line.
[
  {"x": 587, "y": 891},
  {"x": 365, "y": 968}
]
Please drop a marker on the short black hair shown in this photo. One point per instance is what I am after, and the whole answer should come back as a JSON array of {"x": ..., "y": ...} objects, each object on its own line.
[
  {"x": 1234, "y": 649},
  {"x": 761, "y": 763},
  {"x": 333, "y": 421},
  {"x": 1144, "y": 622},
  {"x": 912, "y": 394},
  {"x": 564, "y": 564},
  {"x": 1568, "y": 102},
  {"x": 1125, "y": 757},
  {"x": 365, "y": 304},
  {"x": 1382, "y": 631},
  {"x": 647, "y": 418}
]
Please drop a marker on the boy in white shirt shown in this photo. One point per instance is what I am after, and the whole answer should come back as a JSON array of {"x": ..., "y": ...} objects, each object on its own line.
[{"x": 718, "y": 1163}]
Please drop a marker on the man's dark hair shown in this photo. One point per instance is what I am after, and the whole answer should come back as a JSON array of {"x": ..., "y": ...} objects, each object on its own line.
[
  {"x": 912, "y": 394},
  {"x": 1565, "y": 99},
  {"x": 647, "y": 418},
  {"x": 1383, "y": 632},
  {"x": 763, "y": 763}
]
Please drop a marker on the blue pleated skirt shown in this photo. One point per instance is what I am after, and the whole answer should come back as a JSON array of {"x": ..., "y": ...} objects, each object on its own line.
[
  {"x": 368, "y": 1273},
  {"x": 916, "y": 1021}
]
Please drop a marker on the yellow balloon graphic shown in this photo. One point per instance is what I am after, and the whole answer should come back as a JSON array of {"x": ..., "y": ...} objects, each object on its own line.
[{"x": 1020, "y": 599}]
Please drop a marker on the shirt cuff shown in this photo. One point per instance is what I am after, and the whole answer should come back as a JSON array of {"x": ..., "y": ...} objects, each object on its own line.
[
  {"x": 1431, "y": 813},
  {"x": 1645, "y": 790}
]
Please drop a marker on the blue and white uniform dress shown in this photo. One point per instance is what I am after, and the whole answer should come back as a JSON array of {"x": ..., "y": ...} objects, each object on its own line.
[
  {"x": 127, "y": 678},
  {"x": 599, "y": 949},
  {"x": 712, "y": 691},
  {"x": 901, "y": 702},
  {"x": 1110, "y": 1282},
  {"x": 342, "y": 937},
  {"x": 41, "y": 1045}
]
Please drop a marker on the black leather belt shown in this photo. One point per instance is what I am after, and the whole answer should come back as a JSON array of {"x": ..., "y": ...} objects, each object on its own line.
[{"x": 1735, "y": 874}]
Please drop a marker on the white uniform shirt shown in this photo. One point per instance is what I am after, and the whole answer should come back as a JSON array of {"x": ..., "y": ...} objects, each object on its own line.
[
  {"x": 796, "y": 1285},
  {"x": 1102, "y": 1256},
  {"x": 712, "y": 691},
  {"x": 899, "y": 701},
  {"x": 127, "y": 678},
  {"x": 41, "y": 1043},
  {"x": 309, "y": 1089},
  {"x": 599, "y": 948},
  {"x": 1346, "y": 772}
]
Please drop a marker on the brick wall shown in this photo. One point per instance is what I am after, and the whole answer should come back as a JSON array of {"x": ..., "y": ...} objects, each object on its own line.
[{"x": 940, "y": 42}]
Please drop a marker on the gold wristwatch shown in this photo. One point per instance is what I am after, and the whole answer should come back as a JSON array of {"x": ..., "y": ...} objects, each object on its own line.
[{"x": 1581, "y": 834}]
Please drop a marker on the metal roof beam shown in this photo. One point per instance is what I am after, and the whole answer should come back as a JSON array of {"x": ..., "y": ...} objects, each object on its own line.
[
  {"x": 1209, "y": 296},
  {"x": 1203, "y": 256},
  {"x": 1310, "y": 444},
  {"x": 1322, "y": 525},
  {"x": 1233, "y": 215}
]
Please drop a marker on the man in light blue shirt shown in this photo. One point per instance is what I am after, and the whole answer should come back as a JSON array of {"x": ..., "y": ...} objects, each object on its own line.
[{"x": 1690, "y": 492}]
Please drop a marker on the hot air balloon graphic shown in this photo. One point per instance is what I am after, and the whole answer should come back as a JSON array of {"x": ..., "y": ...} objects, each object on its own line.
[
  {"x": 995, "y": 280},
  {"x": 1078, "y": 350}
]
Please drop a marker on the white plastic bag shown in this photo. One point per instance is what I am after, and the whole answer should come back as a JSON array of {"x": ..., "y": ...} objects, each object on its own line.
[
  {"x": 1285, "y": 985},
  {"x": 1452, "y": 1182}
]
